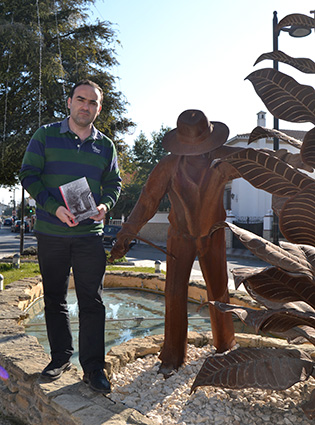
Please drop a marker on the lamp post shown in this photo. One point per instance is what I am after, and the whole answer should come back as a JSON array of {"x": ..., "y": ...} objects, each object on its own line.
[{"x": 294, "y": 31}]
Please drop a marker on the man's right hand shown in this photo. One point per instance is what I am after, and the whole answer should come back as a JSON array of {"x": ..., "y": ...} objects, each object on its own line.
[{"x": 66, "y": 216}]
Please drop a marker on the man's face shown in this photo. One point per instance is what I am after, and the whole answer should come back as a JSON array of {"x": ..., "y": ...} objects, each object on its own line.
[{"x": 85, "y": 105}]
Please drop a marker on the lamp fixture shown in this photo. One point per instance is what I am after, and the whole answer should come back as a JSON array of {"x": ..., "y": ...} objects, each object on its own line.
[{"x": 299, "y": 31}]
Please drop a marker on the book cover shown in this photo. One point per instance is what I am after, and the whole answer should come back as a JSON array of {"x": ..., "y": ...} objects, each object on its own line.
[{"x": 79, "y": 199}]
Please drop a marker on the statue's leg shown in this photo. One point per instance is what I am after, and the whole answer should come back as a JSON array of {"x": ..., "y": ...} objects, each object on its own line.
[
  {"x": 174, "y": 349},
  {"x": 212, "y": 260}
]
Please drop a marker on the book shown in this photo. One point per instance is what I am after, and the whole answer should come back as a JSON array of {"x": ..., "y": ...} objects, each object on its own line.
[{"x": 79, "y": 199}]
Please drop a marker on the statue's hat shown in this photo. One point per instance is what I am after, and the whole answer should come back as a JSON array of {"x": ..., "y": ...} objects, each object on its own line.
[{"x": 195, "y": 134}]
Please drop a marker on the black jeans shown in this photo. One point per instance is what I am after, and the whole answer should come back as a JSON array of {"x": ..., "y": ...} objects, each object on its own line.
[{"x": 86, "y": 256}]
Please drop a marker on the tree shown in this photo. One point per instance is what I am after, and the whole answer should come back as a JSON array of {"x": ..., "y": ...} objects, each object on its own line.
[
  {"x": 45, "y": 47},
  {"x": 143, "y": 157},
  {"x": 157, "y": 149}
]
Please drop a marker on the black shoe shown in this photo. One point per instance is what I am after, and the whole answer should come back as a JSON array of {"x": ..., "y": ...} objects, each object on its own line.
[
  {"x": 97, "y": 381},
  {"x": 55, "y": 369}
]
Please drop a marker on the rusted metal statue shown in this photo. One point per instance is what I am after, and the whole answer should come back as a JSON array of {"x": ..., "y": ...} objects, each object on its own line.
[{"x": 196, "y": 193}]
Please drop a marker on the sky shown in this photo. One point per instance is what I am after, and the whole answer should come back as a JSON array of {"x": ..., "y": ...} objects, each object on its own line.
[{"x": 181, "y": 54}]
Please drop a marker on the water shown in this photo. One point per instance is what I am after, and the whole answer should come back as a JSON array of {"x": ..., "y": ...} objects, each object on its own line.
[{"x": 130, "y": 314}]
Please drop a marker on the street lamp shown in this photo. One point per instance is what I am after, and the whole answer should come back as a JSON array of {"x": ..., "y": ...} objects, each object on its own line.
[{"x": 294, "y": 31}]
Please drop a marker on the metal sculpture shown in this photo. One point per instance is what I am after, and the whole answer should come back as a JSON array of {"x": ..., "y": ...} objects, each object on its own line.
[{"x": 196, "y": 193}]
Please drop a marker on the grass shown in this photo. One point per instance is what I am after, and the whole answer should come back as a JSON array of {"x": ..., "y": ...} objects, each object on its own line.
[
  {"x": 11, "y": 275},
  {"x": 133, "y": 269},
  {"x": 32, "y": 269}
]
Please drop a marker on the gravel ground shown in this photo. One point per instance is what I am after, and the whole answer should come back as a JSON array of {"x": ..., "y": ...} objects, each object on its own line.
[{"x": 168, "y": 401}]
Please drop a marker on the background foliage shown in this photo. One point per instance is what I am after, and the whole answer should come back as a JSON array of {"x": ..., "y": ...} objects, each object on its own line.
[
  {"x": 142, "y": 158},
  {"x": 45, "y": 47}
]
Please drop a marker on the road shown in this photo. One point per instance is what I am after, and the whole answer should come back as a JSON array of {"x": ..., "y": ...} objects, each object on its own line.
[
  {"x": 145, "y": 255},
  {"x": 10, "y": 242}
]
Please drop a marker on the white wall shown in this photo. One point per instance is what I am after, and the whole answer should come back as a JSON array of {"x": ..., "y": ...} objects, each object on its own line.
[
  {"x": 249, "y": 201},
  {"x": 159, "y": 217}
]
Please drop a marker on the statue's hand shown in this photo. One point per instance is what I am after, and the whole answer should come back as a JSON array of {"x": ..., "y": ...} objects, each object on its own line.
[{"x": 120, "y": 248}]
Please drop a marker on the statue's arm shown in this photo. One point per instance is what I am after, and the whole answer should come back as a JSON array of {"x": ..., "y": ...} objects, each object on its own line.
[{"x": 149, "y": 200}]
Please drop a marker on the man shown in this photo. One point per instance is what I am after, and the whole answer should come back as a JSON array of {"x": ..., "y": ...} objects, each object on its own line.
[
  {"x": 195, "y": 190},
  {"x": 57, "y": 154}
]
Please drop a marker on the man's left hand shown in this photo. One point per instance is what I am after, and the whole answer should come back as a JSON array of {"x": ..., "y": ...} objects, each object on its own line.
[{"x": 102, "y": 210}]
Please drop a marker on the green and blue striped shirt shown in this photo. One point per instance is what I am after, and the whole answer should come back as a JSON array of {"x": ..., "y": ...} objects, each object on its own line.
[{"x": 55, "y": 156}]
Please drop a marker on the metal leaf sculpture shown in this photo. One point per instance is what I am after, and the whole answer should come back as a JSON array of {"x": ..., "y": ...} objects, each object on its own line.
[
  {"x": 303, "y": 252},
  {"x": 267, "y": 172},
  {"x": 280, "y": 320},
  {"x": 263, "y": 132},
  {"x": 277, "y": 285},
  {"x": 293, "y": 159},
  {"x": 267, "y": 368},
  {"x": 300, "y": 335},
  {"x": 297, "y": 217},
  {"x": 283, "y": 96},
  {"x": 299, "y": 263},
  {"x": 302, "y": 64},
  {"x": 308, "y": 148},
  {"x": 296, "y": 19},
  {"x": 287, "y": 289}
]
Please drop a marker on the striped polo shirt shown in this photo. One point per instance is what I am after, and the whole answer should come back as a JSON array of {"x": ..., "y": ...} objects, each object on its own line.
[{"x": 55, "y": 156}]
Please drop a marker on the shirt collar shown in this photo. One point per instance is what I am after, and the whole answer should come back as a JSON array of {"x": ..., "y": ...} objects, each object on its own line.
[{"x": 64, "y": 128}]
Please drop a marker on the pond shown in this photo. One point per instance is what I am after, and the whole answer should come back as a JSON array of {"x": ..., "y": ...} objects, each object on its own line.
[{"x": 130, "y": 313}]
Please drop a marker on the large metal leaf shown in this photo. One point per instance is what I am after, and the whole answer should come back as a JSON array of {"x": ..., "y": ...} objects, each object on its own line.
[
  {"x": 302, "y": 64},
  {"x": 300, "y": 335},
  {"x": 284, "y": 97},
  {"x": 280, "y": 320},
  {"x": 293, "y": 159},
  {"x": 264, "y": 171},
  {"x": 278, "y": 286},
  {"x": 308, "y": 148},
  {"x": 267, "y": 368},
  {"x": 296, "y": 19},
  {"x": 271, "y": 253},
  {"x": 263, "y": 133},
  {"x": 297, "y": 217},
  {"x": 241, "y": 274},
  {"x": 300, "y": 251}
]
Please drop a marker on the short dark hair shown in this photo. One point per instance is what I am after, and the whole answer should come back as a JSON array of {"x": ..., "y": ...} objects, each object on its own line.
[{"x": 86, "y": 82}]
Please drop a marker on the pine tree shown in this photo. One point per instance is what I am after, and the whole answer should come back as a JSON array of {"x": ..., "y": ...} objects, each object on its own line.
[{"x": 46, "y": 46}]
